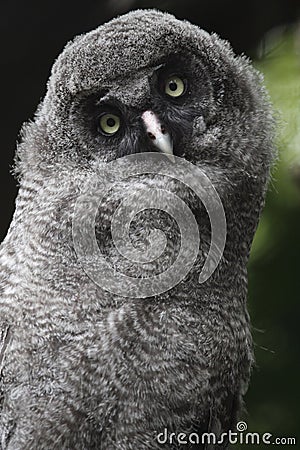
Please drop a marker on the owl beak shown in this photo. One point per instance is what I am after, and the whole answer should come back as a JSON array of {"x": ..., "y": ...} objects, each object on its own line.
[{"x": 158, "y": 134}]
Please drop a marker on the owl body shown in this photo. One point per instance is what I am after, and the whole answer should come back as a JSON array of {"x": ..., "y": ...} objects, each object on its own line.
[{"x": 85, "y": 368}]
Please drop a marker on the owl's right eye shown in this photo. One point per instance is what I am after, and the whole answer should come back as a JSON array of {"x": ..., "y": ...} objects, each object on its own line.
[
  {"x": 174, "y": 86},
  {"x": 109, "y": 124}
]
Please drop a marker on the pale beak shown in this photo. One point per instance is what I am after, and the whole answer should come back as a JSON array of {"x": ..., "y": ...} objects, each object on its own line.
[{"x": 157, "y": 133}]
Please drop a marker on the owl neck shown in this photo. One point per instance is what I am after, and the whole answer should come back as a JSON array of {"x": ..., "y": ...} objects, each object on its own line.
[{"x": 42, "y": 247}]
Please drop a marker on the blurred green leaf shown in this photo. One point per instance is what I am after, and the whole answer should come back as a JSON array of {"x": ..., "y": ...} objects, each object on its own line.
[{"x": 274, "y": 266}]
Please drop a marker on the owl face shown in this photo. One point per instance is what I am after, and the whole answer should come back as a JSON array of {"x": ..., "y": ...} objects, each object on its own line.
[{"x": 154, "y": 111}]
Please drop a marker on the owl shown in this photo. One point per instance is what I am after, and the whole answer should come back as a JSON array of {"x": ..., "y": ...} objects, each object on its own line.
[{"x": 83, "y": 367}]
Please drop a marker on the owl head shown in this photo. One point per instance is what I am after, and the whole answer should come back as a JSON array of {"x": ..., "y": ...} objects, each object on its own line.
[{"x": 146, "y": 81}]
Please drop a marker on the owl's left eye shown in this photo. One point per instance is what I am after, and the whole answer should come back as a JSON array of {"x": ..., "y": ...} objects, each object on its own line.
[
  {"x": 109, "y": 124},
  {"x": 174, "y": 86}
]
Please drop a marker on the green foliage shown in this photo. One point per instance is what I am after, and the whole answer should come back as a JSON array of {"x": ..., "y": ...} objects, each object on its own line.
[{"x": 274, "y": 268}]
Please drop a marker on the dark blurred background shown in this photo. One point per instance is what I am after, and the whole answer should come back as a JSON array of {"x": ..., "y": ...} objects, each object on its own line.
[{"x": 33, "y": 33}]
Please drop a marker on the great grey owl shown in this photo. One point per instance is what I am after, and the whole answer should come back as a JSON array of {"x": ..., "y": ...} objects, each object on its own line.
[{"x": 81, "y": 367}]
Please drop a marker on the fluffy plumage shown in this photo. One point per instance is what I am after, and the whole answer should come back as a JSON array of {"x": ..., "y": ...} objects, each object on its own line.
[{"x": 82, "y": 368}]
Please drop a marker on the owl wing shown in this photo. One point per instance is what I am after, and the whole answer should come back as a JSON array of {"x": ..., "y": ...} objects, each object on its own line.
[{"x": 219, "y": 425}]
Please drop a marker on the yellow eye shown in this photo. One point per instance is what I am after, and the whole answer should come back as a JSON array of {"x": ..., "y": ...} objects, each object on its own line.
[
  {"x": 109, "y": 123},
  {"x": 174, "y": 86}
]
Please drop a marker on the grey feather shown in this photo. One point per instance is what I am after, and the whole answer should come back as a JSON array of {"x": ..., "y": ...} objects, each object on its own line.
[{"x": 86, "y": 369}]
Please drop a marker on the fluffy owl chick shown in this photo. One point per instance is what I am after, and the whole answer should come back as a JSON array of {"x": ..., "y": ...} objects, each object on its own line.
[{"x": 82, "y": 368}]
